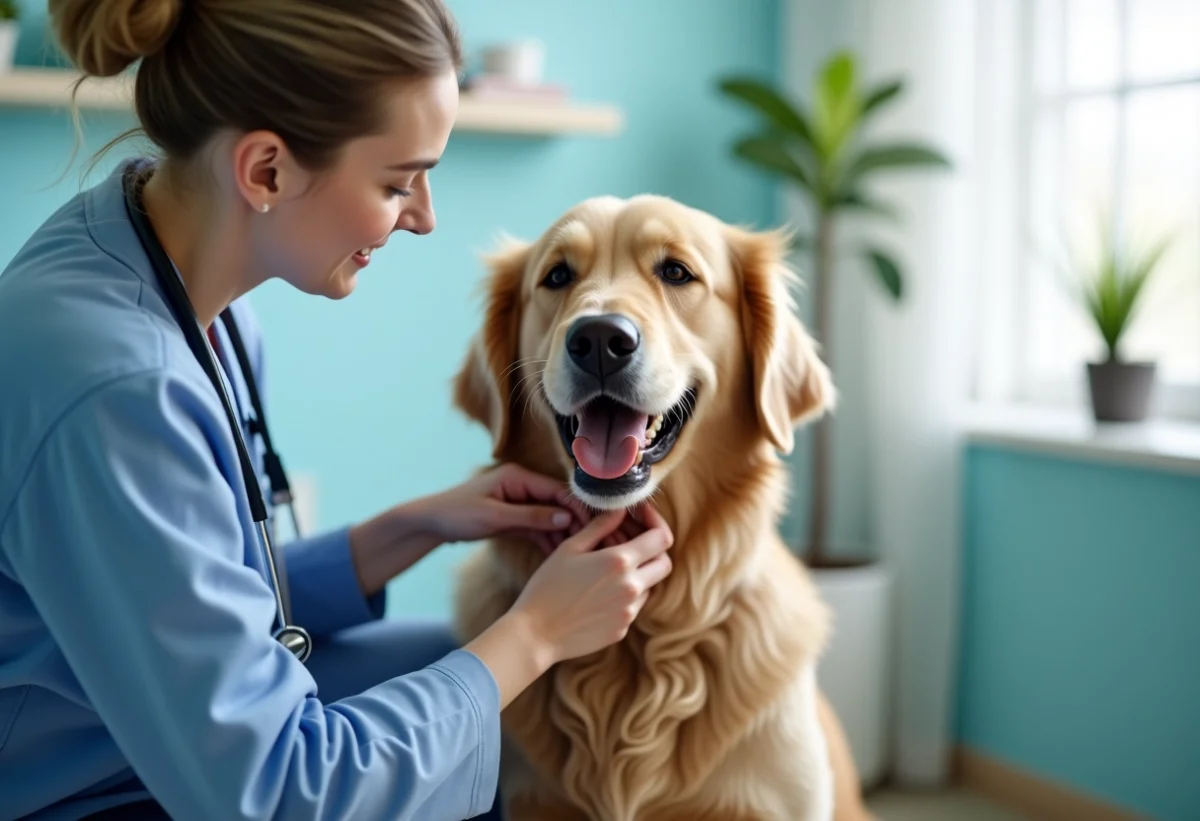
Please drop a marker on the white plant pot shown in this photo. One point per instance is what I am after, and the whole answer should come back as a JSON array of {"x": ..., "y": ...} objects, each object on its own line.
[
  {"x": 855, "y": 672},
  {"x": 9, "y": 30}
]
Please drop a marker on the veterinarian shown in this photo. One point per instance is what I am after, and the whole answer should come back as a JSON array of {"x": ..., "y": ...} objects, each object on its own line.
[{"x": 161, "y": 655}]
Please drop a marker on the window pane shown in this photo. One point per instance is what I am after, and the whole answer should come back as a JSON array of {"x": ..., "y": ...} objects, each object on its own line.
[
  {"x": 1162, "y": 182},
  {"x": 1072, "y": 184},
  {"x": 1049, "y": 36},
  {"x": 1092, "y": 33},
  {"x": 1164, "y": 39}
]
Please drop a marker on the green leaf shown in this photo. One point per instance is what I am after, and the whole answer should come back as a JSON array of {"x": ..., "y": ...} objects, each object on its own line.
[
  {"x": 887, "y": 271},
  {"x": 881, "y": 95},
  {"x": 771, "y": 104},
  {"x": 856, "y": 201},
  {"x": 1114, "y": 293},
  {"x": 897, "y": 155},
  {"x": 773, "y": 154},
  {"x": 837, "y": 78},
  {"x": 837, "y": 104}
]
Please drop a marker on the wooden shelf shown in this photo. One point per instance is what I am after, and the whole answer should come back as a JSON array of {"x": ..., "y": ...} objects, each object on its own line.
[{"x": 51, "y": 88}]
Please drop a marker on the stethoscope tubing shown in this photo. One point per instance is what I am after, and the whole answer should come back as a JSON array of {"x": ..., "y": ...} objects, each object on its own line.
[{"x": 293, "y": 637}]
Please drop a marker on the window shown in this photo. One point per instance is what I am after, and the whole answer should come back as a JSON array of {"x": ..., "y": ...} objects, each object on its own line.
[{"x": 1105, "y": 97}]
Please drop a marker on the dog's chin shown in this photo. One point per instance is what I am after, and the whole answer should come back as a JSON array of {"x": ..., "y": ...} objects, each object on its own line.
[{"x": 638, "y": 483}]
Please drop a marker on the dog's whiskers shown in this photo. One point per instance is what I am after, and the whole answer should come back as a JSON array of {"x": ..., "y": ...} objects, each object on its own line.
[
  {"x": 537, "y": 385},
  {"x": 519, "y": 363},
  {"x": 541, "y": 388},
  {"x": 689, "y": 401},
  {"x": 532, "y": 379}
]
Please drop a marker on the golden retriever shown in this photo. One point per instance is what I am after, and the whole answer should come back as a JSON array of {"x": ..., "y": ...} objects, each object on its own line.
[{"x": 645, "y": 350}]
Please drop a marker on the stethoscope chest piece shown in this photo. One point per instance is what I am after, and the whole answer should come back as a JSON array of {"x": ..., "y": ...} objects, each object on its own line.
[{"x": 296, "y": 639}]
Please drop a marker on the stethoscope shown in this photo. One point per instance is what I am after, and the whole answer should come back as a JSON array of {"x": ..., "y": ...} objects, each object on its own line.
[{"x": 291, "y": 636}]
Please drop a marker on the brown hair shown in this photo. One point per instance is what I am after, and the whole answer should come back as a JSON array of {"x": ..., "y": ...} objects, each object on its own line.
[{"x": 311, "y": 71}]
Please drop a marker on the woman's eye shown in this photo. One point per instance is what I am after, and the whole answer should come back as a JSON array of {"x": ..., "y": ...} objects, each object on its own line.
[
  {"x": 675, "y": 272},
  {"x": 559, "y": 276},
  {"x": 399, "y": 192}
]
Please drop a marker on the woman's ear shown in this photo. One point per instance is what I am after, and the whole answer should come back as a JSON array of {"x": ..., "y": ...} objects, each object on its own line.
[
  {"x": 792, "y": 384},
  {"x": 484, "y": 383}
]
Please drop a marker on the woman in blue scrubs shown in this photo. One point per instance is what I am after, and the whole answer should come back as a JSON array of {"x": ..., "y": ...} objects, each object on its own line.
[{"x": 138, "y": 672}]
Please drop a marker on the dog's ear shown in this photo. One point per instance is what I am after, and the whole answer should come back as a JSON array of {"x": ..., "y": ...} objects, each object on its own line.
[
  {"x": 791, "y": 382},
  {"x": 483, "y": 385}
]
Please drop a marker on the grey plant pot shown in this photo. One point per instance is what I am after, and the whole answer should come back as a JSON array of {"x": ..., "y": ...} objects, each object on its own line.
[{"x": 1120, "y": 391}]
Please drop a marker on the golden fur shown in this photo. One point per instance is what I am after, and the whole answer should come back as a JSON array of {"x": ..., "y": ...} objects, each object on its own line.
[{"x": 708, "y": 709}]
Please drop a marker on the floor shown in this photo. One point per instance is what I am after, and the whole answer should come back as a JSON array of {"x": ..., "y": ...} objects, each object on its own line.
[{"x": 952, "y": 805}]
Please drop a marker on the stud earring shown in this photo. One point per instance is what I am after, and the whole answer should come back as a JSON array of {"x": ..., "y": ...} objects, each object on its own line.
[{"x": 265, "y": 207}]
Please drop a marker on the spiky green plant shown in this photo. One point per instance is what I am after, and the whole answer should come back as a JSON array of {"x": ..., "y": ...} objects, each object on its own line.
[
  {"x": 821, "y": 151},
  {"x": 1111, "y": 287},
  {"x": 9, "y": 10}
]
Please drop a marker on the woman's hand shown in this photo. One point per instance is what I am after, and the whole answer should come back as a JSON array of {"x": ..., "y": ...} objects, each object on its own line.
[
  {"x": 504, "y": 500},
  {"x": 580, "y": 600},
  {"x": 507, "y": 500}
]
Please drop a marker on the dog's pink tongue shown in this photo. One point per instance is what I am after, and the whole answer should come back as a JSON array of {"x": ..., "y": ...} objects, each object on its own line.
[{"x": 607, "y": 442}]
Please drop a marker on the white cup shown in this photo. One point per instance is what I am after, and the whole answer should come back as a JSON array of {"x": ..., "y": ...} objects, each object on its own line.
[{"x": 520, "y": 62}]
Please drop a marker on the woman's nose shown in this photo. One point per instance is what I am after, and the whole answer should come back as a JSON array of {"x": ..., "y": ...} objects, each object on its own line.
[
  {"x": 417, "y": 221},
  {"x": 417, "y": 217}
]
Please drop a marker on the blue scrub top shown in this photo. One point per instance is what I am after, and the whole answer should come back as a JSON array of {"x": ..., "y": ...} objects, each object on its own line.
[{"x": 135, "y": 617}]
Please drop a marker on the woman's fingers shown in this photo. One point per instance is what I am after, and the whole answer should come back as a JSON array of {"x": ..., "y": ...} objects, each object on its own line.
[
  {"x": 594, "y": 532},
  {"x": 543, "y": 518},
  {"x": 631, "y": 529},
  {"x": 645, "y": 546},
  {"x": 640, "y": 601},
  {"x": 649, "y": 516},
  {"x": 521, "y": 485},
  {"x": 653, "y": 571},
  {"x": 571, "y": 502}
]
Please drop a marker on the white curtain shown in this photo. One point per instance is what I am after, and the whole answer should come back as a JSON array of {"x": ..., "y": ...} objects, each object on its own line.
[
  {"x": 910, "y": 363},
  {"x": 918, "y": 357}
]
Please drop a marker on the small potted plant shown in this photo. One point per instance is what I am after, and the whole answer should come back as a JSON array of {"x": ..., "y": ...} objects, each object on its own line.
[
  {"x": 10, "y": 27},
  {"x": 1110, "y": 289}
]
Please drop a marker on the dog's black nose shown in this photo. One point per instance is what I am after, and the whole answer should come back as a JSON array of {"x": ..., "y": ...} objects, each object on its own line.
[{"x": 602, "y": 345}]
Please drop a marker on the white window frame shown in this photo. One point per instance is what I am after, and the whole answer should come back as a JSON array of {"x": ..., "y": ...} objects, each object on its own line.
[{"x": 1007, "y": 101}]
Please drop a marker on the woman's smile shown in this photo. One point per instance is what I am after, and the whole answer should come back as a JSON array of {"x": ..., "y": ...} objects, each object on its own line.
[{"x": 362, "y": 257}]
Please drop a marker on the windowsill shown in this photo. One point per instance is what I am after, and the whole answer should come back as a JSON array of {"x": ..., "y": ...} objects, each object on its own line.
[{"x": 1172, "y": 445}]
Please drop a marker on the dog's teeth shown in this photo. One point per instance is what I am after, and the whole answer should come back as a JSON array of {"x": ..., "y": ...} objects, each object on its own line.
[
  {"x": 638, "y": 461},
  {"x": 650, "y": 434}
]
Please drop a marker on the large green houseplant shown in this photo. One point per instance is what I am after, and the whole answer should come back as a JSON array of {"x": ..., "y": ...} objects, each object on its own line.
[{"x": 822, "y": 152}]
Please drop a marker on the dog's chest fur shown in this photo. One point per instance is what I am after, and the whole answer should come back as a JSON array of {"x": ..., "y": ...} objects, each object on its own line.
[{"x": 639, "y": 728}]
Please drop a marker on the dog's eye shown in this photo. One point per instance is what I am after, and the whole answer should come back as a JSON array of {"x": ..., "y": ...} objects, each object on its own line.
[
  {"x": 559, "y": 276},
  {"x": 675, "y": 272}
]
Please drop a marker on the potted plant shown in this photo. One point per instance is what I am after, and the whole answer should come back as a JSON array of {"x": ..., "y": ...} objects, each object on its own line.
[
  {"x": 10, "y": 27},
  {"x": 822, "y": 152},
  {"x": 1110, "y": 290}
]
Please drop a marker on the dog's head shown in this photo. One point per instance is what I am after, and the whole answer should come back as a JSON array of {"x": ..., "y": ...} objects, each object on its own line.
[{"x": 634, "y": 335}]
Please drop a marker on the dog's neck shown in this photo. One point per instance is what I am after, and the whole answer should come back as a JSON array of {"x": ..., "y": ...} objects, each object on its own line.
[{"x": 730, "y": 499}]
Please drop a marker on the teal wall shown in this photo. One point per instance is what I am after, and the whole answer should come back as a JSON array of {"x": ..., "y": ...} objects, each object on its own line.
[
  {"x": 359, "y": 389},
  {"x": 1081, "y": 632}
]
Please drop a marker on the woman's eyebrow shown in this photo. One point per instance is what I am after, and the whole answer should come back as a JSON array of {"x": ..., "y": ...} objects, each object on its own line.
[{"x": 413, "y": 165}]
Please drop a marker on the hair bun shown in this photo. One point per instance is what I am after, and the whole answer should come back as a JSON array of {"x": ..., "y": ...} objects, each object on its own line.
[{"x": 104, "y": 37}]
